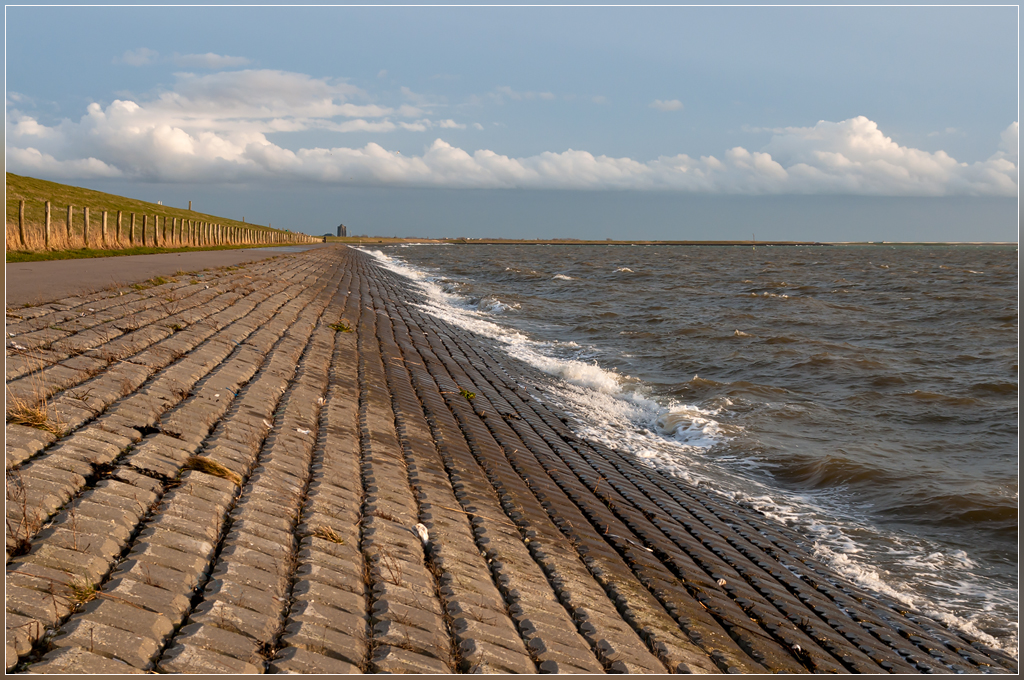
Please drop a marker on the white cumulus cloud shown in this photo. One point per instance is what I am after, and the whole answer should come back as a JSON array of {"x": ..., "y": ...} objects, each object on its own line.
[
  {"x": 215, "y": 128},
  {"x": 669, "y": 105}
]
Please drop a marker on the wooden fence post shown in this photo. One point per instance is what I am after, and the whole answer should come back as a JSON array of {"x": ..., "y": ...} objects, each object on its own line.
[
  {"x": 71, "y": 213},
  {"x": 46, "y": 228},
  {"x": 21, "y": 223},
  {"x": 117, "y": 242},
  {"x": 131, "y": 231},
  {"x": 103, "y": 231},
  {"x": 85, "y": 226}
]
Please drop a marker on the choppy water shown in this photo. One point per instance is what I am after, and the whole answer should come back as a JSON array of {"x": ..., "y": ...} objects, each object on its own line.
[{"x": 865, "y": 395}]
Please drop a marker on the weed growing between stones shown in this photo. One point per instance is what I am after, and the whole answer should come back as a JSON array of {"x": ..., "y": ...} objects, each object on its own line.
[
  {"x": 81, "y": 592},
  {"x": 126, "y": 387},
  {"x": 467, "y": 394},
  {"x": 392, "y": 566},
  {"x": 212, "y": 467},
  {"x": 340, "y": 326},
  {"x": 23, "y": 523}
]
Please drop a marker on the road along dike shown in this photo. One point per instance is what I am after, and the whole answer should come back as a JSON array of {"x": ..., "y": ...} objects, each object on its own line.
[{"x": 289, "y": 467}]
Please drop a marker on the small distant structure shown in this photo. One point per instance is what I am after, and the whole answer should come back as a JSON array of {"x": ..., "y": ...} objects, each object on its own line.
[{"x": 342, "y": 230}]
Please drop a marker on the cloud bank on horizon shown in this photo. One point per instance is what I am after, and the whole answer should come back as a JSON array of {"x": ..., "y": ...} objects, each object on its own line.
[{"x": 214, "y": 128}]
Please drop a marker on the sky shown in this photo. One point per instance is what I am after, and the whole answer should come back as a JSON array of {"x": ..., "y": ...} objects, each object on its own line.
[{"x": 816, "y": 123}]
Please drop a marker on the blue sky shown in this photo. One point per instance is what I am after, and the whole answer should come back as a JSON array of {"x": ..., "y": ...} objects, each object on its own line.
[{"x": 691, "y": 104}]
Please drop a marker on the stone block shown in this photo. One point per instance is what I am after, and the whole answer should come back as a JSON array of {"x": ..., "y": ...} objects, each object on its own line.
[
  {"x": 388, "y": 609},
  {"x": 135, "y": 650},
  {"x": 326, "y": 641},
  {"x": 86, "y": 567},
  {"x": 241, "y": 555},
  {"x": 262, "y": 531},
  {"x": 78, "y": 661},
  {"x": 264, "y": 513},
  {"x": 120, "y": 442},
  {"x": 77, "y": 540},
  {"x": 351, "y": 579},
  {"x": 155, "y": 553},
  {"x": 220, "y": 640},
  {"x": 192, "y": 659},
  {"x": 117, "y": 614},
  {"x": 168, "y": 538},
  {"x": 173, "y": 605},
  {"x": 335, "y": 597},
  {"x": 432, "y": 643},
  {"x": 62, "y": 461},
  {"x": 245, "y": 596},
  {"x": 396, "y": 660},
  {"x": 22, "y": 632},
  {"x": 478, "y": 654},
  {"x": 187, "y": 527},
  {"x": 497, "y": 632},
  {"x": 298, "y": 660},
  {"x": 279, "y": 551},
  {"x": 353, "y": 625},
  {"x": 251, "y": 576},
  {"x": 562, "y": 654},
  {"x": 87, "y": 508},
  {"x": 260, "y": 627}
]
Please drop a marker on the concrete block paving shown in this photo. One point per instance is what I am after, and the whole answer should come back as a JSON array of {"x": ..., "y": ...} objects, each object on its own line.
[{"x": 276, "y": 468}]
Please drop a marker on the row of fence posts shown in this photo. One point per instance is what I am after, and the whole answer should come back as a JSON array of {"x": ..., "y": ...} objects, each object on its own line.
[{"x": 178, "y": 233}]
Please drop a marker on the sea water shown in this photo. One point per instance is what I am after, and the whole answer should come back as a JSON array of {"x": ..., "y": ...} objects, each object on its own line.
[{"x": 864, "y": 396}]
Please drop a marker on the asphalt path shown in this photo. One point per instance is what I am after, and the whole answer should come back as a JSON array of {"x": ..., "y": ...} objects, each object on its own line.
[{"x": 40, "y": 282}]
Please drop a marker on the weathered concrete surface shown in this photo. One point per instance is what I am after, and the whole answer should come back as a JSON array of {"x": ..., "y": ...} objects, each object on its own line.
[
  {"x": 239, "y": 468},
  {"x": 37, "y": 282}
]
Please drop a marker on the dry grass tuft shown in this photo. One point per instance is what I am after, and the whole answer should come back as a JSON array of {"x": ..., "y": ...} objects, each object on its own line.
[
  {"x": 328, "y": 534},
  {"x": 33, "y": 413},
  {"x": 211, "y": 467}
]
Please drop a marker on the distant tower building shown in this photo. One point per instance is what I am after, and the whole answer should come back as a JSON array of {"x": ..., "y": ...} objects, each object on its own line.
[{"x": 342, "y": 230}]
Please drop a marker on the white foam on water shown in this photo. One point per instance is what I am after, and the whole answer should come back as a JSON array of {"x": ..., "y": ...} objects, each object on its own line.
[
  {"x": 562, "y": 277},
  {"x": 601, "y": 395},
  {"x": 615, "y": 410},
  {"x": 492, "y": 305},
  {"x": 838, "y": 543}
]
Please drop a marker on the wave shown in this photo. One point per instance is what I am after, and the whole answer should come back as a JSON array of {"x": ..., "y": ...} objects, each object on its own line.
[
  {"x": 995, "y": 387},
  {"x": 837, "y": 544},
  {"x": 492, "y": 305},
  {"x": 562, "y": 277}
]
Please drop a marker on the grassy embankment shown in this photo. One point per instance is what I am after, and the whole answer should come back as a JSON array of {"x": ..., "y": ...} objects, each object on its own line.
[{"x": 36, "y": 191}]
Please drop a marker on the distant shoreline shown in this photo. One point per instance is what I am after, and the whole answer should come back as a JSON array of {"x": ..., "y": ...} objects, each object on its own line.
[{"x": 369, "y": 240}]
